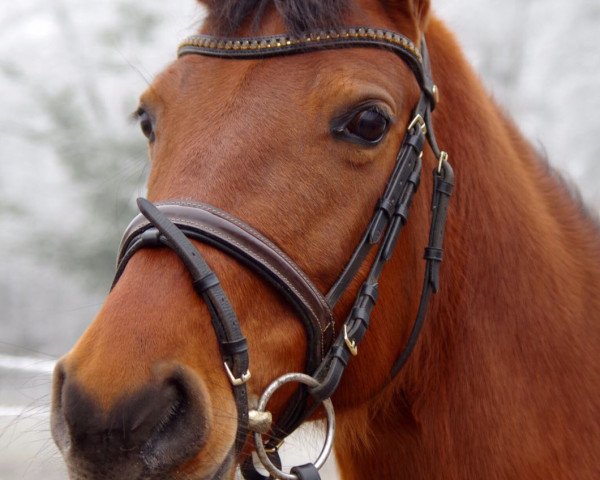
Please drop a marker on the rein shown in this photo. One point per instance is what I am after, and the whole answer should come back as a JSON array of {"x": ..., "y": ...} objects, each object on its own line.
[{"x": 172, "y": 224}]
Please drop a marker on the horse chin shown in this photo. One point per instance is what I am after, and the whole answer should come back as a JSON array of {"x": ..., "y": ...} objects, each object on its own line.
[
  {"x": 82, "y": 470},
  {"x": 225, "y": 472}
]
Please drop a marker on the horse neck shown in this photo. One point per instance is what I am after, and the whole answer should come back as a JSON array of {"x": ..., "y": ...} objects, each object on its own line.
[{"x": 510, "y": 340}]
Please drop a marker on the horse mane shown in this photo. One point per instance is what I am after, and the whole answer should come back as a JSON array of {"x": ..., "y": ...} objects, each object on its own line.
[
  {"x": 561, "y": 185},
  {"x": 228, "y": 16},
  {"x": 571, "y": 190}
]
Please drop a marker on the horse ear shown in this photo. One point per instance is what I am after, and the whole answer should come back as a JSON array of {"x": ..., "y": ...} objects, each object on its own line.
[{"x": 417, "y": 10}]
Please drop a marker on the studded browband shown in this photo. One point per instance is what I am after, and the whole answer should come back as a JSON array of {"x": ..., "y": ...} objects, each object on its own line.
[
  {"x": 279, "y": 45},
  {"x": 171, "y": 224}
]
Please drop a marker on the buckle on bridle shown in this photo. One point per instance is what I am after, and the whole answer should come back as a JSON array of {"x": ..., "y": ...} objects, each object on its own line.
[
  {"x": 236, "y": 382},
  {"x": 443, "y": 158},
  {"x": 418, "y": 121},
  {"x": 351, "y": 344}
]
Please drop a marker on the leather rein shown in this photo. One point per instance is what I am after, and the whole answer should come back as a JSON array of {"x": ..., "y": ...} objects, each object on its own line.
[{"x": 172, "y": 224}]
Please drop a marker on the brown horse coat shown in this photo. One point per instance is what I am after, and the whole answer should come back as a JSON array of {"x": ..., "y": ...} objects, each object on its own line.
[{"x": 505, "y": 380}]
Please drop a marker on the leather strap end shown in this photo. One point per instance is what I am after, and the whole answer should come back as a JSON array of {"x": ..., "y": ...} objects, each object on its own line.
[
  {"x": 332, "y": 378},
  {"x": 306, "y": 472},
  {"x": 434, "y": 276}
]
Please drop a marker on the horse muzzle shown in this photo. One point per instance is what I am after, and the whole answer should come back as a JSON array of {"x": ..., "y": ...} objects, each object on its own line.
[{"x": 151, "y": 433}]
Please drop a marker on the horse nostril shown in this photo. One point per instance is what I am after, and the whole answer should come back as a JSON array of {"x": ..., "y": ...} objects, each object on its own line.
[
  {"x": 159, "y": 426},
  {"x": 182, "y": 428}
]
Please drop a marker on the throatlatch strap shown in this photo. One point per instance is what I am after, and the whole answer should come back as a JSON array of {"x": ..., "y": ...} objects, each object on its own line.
[{"x": 443, "y": 184}]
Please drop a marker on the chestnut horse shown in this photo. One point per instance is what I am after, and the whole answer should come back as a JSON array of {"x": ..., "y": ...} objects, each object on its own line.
[{"x": 504, "y": 381}]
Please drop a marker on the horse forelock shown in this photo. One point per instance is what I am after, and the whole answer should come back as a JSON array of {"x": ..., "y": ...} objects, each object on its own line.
[{"x": 228, "y": 16}]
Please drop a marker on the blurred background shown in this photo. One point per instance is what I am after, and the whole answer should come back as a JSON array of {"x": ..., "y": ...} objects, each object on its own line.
[{"x": 72, "y": 164}]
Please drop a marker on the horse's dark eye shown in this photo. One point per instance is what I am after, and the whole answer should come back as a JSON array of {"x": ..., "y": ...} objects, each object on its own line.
[
  {"x": 146, "y": 124},
  {"x": 366, "y": 126}
]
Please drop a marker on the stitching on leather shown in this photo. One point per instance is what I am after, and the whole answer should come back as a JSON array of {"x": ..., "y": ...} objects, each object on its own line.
[
  {"x": 261, "y": 259},
  {"x": 251, "y": 231},
  {"x": 218, "y": 233},
  {"x": 248, "y": 229},
  {"x": 144, "y": 223}
]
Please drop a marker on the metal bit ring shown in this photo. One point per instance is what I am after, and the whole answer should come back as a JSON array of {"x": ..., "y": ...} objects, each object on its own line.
[{"x": 262, "y": 405}]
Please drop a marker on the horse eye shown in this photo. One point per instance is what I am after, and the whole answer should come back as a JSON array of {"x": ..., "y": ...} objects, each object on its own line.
[
  {"x": 146, "y": 124},
  {"x": 368, "y": 125}
]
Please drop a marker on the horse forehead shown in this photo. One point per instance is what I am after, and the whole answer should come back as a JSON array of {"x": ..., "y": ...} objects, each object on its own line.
[{"x": 218, "y": 86}]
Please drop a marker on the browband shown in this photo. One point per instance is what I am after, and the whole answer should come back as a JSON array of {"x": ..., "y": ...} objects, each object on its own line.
[{"x": 278, "y": 45}]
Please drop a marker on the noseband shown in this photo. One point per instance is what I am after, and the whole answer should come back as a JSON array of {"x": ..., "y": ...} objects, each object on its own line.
[{"x": 172, "y": 224}]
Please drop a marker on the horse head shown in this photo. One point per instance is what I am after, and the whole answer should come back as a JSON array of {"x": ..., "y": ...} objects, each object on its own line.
[{"x": 286, "y": 146}]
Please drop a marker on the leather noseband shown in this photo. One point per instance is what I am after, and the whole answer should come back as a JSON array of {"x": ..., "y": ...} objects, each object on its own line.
[{"x": 215, "y": 227}]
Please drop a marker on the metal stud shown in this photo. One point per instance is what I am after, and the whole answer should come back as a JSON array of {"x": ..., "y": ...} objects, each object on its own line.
[
  {"x": 208, "y": 42},
  {"x": 259, "y": 422}
]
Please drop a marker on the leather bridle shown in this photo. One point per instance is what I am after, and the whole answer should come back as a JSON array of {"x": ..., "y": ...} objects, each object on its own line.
[{"x": 172, "y": 224}]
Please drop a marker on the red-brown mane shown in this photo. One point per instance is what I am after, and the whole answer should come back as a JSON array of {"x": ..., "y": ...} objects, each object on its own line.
[{"x": 505, "y": 379}]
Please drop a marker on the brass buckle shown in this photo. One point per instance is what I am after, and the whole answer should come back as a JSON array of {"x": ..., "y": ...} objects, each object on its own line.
[
  {"x": 443, "y": 158},
  {"x": 236, "y": 382},
  {"x": 436, "y": 94},
  {"x": 418, "y": 120},
  {"x": 351, "y": 344}
]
